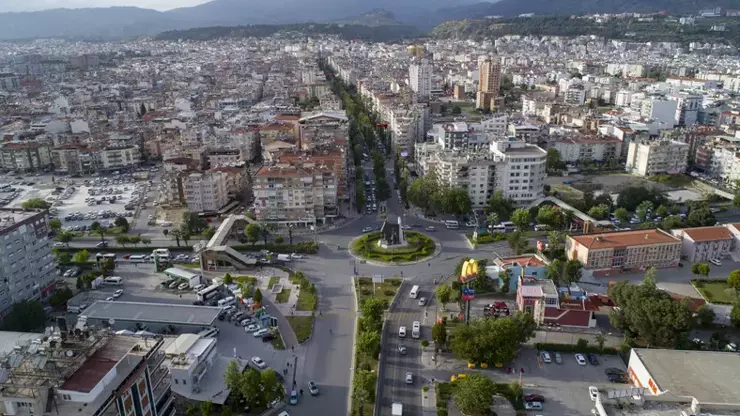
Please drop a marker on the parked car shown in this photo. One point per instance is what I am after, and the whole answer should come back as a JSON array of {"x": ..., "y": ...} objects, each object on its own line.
[
  {"x": 367, "y": 229},
  {"x": 252, "y": 328},
  {"x": 313, "y": 388},
  {"x": 534, "y": 398},
  {"x": 409, "y": 378},
  {"x": 533, "y": 405},
  {"x": 261, "y": 332},
  {"x": 422, "y": 301},
  {"x": 267, "y": 338},
  {"x": 402, "y": 349},
  {"x": 715, "y": 262},
  {"x": 430, "y": 228},
  {"x": 580, "y": 359},
  {"x": 593, "y": 359},
  {"x": 258, "y": 362},
  {"x": 593, "y": 392},
  {"x": 615, "y": 371},
  {"x": 182, "y": 286},
  {"x": 546, "y": 357},
  {"x": 558, "y": 358}
]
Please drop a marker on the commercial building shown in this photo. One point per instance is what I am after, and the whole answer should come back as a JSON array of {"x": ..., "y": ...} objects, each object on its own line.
[
  {"x": 25, "y": 156},
  {"x": 704, "y": 380},
  {"x": 26, "y": 263},
  {"x": 702, "y": 244},
  {"x": 206, "y": 192},
  {"x": 157, "y": 316},
  {"x": 420, "y": 78},
  {"x": 86, "y": 372},
  {"x": 548, "y": 304},
  {"x": 653, "y": 157},
  {"x": 604, "y": 254}
]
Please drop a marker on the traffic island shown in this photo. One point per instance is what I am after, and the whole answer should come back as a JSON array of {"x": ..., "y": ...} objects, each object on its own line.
[{"x": 371, "y": 247}]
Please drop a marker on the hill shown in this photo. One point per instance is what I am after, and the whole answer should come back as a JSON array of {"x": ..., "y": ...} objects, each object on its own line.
[
  {"x": 377, "y": 17},
  {"x": 661, "y": 29},
  {"x": 351, "y": 32}
]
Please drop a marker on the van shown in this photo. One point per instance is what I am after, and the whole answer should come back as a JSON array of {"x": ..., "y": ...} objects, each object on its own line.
[
  {"x": 402, "y": 332},
  {"x": 137, "y": 258},
  {"x": 414, "y": 292},
  {"x": 226, "y": 301},
  {"x": 211, "y": 332},
  {"x": 452, "y": 225},
  {"x": 113, "y": 280}
]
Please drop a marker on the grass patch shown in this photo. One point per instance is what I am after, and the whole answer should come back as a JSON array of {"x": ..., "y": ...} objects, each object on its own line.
[
  {"x": 277, "y": 342},
  {"x": 384, "y": 291},
  {"x": 566, "y": 192},
  {"x": 486, "y": 237},
  {"x": 674, "y": 181},
  {"x": 715, "y": 291},
  {"x": 273, "y": 281},
  {"x": 302, "y": 326},
  {"x": 419, "y": 247},
  {"x": 283, "y": 296}
]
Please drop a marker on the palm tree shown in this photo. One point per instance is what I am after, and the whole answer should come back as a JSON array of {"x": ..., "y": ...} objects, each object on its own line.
[
  {"x": 600, "y": 341},
  {"x": 99, "y": 230},
  {"x": 177, "y": 235},
  {"x": 165, "y": 232}
]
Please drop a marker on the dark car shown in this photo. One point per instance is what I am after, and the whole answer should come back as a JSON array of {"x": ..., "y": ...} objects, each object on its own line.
[
  {"x": 534, "y": 398},
  {"x": 617, "y": 378},
  {"x": 614, "y": 371},
  {"x": 592, "y": 359},
  {"x": 268, "y": 338},
  {"x": 198, "y": 303}
]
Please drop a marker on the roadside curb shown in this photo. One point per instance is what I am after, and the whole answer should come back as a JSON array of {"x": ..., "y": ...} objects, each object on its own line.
[{"x": 352, "y": 368}]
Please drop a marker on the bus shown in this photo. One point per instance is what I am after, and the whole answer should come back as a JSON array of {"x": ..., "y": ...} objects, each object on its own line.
[
  {"x": 452, "y": 225},
  {"x": 106, "y": 256},
  {"x": 414, "y": 292},
  {"x": 160, "y": 252},
  {"x": 208, "y": 293},
  {"x": 227, "y": 301}
]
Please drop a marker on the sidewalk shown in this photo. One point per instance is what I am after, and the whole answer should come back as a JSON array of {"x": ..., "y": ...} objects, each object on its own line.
[{"x": 429, "y": 401}]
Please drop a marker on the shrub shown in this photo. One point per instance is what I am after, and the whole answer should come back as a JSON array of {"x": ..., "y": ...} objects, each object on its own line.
[
  {"x": 425, "y": 388},
  {"x": 389, "y": 292},
  {"x": 572, "y": 348}
]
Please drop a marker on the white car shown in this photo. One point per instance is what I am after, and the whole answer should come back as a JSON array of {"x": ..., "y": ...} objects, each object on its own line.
[
  {"x": 110, "y": 298},
  {"x": 430, "y": 228},
  {"x": 117, "y": 294},
  {"x": 715, "y": 262},
  {"x": 252, "y": 328},
  {"x": 546, "y": 357},
  {"x": 261, "y": 332},
  {"x": 581, "y": 359},
  {"x": 532, "y": 405},
  {"x": 296, "y": 256},
  {"x": 367, "y": 229},
  {"x": 402, "y": 332},
  {"x": 284, "y": 414},
  {"x": 182, "y": 286},
  {"x": 409, "y": 378},
  {"x": 197, "y": 288},
  {"x": 422, "y": 301},
  {"x": 59, "y": 245},
  {"x": 593, "y": 392},
  {"x": 258, "y": 362}
]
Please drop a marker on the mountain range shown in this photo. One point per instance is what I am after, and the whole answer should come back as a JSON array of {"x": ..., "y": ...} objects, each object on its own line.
[{"x": 125, "y": 22}]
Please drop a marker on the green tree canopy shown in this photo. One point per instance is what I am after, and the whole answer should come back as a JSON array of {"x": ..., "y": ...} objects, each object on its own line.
[
  {"x": 439, "y": 333},
  {"x": 629, "y": 198},
  {"x": 82, "y": 256},
  {"x": 455, "y": 201},
  {"x": 701, "y": 217},
  {"x": 733, "y": 280},
  {"x": 500, "y": 206},
  {"x": 491, "y": 340},
  {"x": 554, "y": 160},
  {"x": 444, "y": 294},
  {"x": 25, "y": 316},
  {"x": 474, "y": 395},
  {"x": 521, "y": 218},
  {"x": 368, "y": 343},
  {"x": 35, "y": 203},
  {"x": 252, "y": 232},
  {"x": 599, "y": 212},
  {"x": 548, "y": 215},
  {"x": 424, "y": 192},
  {"x": 622, "y": 214}
]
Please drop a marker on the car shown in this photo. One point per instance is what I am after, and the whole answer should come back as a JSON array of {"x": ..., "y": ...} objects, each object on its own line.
[
  {"x": 614, "y": 371},
  {"x": 199, "y": 287},
  {"x": 261, "y": 332},
  {"x": 228, "y": 309},
  {"x": 732, "y": 347},
  {"x": 59, "y": 245},
  {"x": 546, "y": 357},
  {"x": 558, "y": 358},
  {"x": 174, "y": 284},
  {"x": 715, "y": 262},
  {"x": 593, "y": 359},
  {"x": 593, "y": 392},
  {"x": 422, "y": 301},
  {"x": 251, "y": 328},
  {"x": 402, "y": 332},
  {"x": 117, "y": 294},
  {"x": 110, "y": 298},
  {"x": 267, "y": 338},
  {"x": 284, "y": 414},
  {"x": 296, "y": 256},
  {"x": 258, "y": 362},
  {"x": 247, "y": 322},
  {"x": 313, "y": 388},
  {"x": 293, "y": 397},
  {"x": 367, "y": 229},
  {"x": 617, "y": 378},
  {"x": 534, "y": 398},
  {"x": 182, "y": 286},
  {"x": 402, "y": 349},
  {"x": 430, "y": 228},
  {"x": 533, "y": 405},
  {"x": 102, "y": 244},
  {"x": 580, "y": 359},
  {"x": 409, "y": 378}
]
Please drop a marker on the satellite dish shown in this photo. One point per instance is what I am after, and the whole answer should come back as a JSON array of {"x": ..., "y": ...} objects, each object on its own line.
[
  {"x": 111, "y": 321},
  {"x": 70, "y": 353}
]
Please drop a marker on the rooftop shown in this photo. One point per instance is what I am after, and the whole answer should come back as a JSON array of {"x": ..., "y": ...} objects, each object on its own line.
[
  {"x": 100, "y": 363},
  {"x": 11, "y": 217},
  {"x": 624, "y": 239},
  {"x": 708, "y": 233},
  {"x": 160, "y": 313},
  {"x": 531, "y": 260},
  {"x": 707, "y": 376}
]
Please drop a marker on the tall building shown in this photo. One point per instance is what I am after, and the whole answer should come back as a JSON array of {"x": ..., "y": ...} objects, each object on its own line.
[
  {"x": 420, "y": 78},
  {"x": 206, "y": 192},
  {"x": 26, "y": 263},
  {"x": 648, "y": 158},
  {"x": 86, "y": 372},
  {"x": 489, "y": 82}
]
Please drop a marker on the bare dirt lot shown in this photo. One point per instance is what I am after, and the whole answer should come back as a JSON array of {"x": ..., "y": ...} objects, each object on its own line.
[{"x": 612, "y": 183}]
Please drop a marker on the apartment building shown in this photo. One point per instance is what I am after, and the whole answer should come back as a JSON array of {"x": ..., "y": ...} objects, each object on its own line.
[
  {"x": 605, "y": 254},
  {"x": 94, "y": 373},
  {"x": 470, "y": 170},
  {"x": 687, "y": 108},
  {"x": 575, "y": 95},
  {"x": 26, "y": 262},
  {"x": 205, "y": 192},
  {"x": 652, "y": 157},
  {"x": 580, "y": 149},
  {"x": 723, "y": 163},
  {"x": 222, "y": 157},
  {"x": 659, "y": 109},
  {"x": 117, "y": 157},
  {"x": 66, "y": 159},
  {"x": 702, "y": 244},
  {"x": 25, "y": 156},
  {"x": 420, "y": 78},
  {"x": 458, "y": 136},
  {"x": 521, "y": 173},
  {"x": 295, "y": 195}
]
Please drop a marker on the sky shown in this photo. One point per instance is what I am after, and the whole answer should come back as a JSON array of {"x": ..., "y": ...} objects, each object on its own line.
[{"x": 34, "y": 5}]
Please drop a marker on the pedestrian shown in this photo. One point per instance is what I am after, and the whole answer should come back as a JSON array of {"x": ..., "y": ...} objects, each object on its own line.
[
  {"x": 301, "y": 392},
  {"x": 181, "y": 296},
  {"x": 292, "y": 347}
]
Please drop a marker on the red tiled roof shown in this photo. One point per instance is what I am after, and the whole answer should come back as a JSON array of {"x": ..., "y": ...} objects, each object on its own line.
[
  {"x": 625, "y": 238},
  {"x": 567, "y": 317},
  {"x": 708, "y": 233}
]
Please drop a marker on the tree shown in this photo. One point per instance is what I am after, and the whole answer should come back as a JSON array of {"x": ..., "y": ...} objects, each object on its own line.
[
  {"x": 122, "y": 223},
  {"x": 178, "y": 235},
  {"x": 554, "y": 160},
  {"x": 271, "y": 386},
  {"x": 122, "y": 239},
  {"x": 572, "y": 271},
  {"x": 60, "y": 297},
  {"x": 500, "y": 206},
  {"x": 134, "y": 239},
  {"x": 191, "y": 410},
  {"x": 165, "y": 232},
  {"x": 491, "y": 340},
  {"x": 146, "y": 241},
  {"x": 279, "y": 239},
  {"x": 368, "y": 344},
  {"x": 643, "y": 210},
  {"x": 228, "y": 279},
  {"x": 257, "y": 296},
  {"x": 209, "y": 232},
  {"x": 629, "y": 198},
  {"x": 206, "y": 408},
  {"x": 733, "y": 280},
  {"x": 556, "y": 243},
  {"x": 735, "y": 314},
  {"x": 444, "y": 294},
  {"x": 65, "y": 237},
  {"x": 600, "y": 341},
  {"x": 701, "y": 217},
  {"x": 622, "y": 214},
  {"x": 25, "y": 316},
  {"x": 55, "y": 225},
  {"x": 661, "y": 211},
  {"x": 363, "y": 389},
  {"x": 474, "y": 395},
  {"x": 704, "y": 316},
  {"x": 82, "y": 256},
  {"x": 226, "y": 411},
  {"x": 548, "y": 215},
  {"x": 521, "y": 218},
  {"x": 456, "y": 110},
  {"x": 373, "y": 308},
  {"x": 599, "y": 212},
  {"x": 456, "y": 201},
  {"x": 672, "y": 221},
  {"x": 424, "y": 192},
  {"x": 97, "y": 228},
  {"x": 35, "y": 203},
  {"x": 252, "y": 232},
  {"x": 233, "y": 377},
  {"x": 517, "y": 242},
  {"x": 439, "y": 334},
  {"x": 63, "y": 257},
  {"x": 251, "y": 388},
  {"x": 555, "y": 271},
  {"x": 701, "y": 269}
]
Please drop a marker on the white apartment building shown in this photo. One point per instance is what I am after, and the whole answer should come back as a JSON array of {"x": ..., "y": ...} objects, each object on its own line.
[
  {"x": 521, "y": 176},
  {"x": 496, "y": 124},
  {"x": 189, "y": 357},
  {"x": 114, "y": 158},
  {"x": 725, "y": 164},
  {"x": 205, "y": 192},
  {"x": 687, "y": 108},
  {"x": 659, "y": 109},
  {"x": 648, "y": 158},
  {"x": 575, "y": 95},
  {"x": 420, "y": 78},
  {"x": 623, "y": 98},
  {"x": 579, "y": 149},
  {"x": 470, "y": 170}
]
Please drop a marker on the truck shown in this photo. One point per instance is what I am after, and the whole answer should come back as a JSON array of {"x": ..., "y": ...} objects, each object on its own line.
[
  {"x": 284, "y": 258},
  {"x": 397, "y": 409}
]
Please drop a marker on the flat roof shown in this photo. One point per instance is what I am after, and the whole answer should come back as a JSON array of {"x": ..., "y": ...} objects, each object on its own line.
[
  {"x": 164, "y": 313},
  {"x": 99, "y": 364},
  {"x": 9, "y": 339},
  {"x": 632, "y": 238},
  {"x": 708, "y": 376}
]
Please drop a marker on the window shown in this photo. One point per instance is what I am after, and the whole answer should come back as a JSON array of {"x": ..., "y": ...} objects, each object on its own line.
[
  {"x": 184, "y": 382},
  {"x": 66, "y": 397}
]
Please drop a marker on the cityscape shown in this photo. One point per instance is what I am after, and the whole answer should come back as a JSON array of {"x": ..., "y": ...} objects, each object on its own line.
[{"x": 491, "y": 218}]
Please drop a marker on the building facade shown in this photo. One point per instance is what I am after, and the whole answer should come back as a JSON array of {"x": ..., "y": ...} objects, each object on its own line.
[
  {"x": 702, "y": 244},
  {"x": 649, "y": 158},
  {"x": 420, "y": 78},
  {"x": 205, "y": 192}
]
